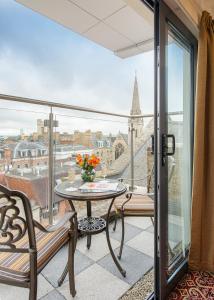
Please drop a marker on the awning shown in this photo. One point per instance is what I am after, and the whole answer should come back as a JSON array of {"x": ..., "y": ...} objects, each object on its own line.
[{"x": 122, "y": 26}]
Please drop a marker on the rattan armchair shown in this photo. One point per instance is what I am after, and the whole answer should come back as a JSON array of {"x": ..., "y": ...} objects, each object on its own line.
[{"x": 26, "y": 246}]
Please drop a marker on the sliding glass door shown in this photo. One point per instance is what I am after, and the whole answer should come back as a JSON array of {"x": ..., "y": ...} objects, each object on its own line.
[
  {"x": 179, "y": 139},
  {"x": 175, "y": 52}
]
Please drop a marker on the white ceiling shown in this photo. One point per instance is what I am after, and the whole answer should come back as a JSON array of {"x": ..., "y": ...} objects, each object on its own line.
[
  {"x": 101, "y": 8},
  {"x": 123, "y": 26}
]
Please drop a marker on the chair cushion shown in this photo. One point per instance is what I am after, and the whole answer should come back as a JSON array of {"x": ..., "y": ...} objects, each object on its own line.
[
  {"x": 138, "y": 205},
  {"x": 16, "y": 265}
]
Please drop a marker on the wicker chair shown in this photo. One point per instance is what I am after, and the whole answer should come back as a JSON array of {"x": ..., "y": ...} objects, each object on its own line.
[
  {"x": 138, "y": 205},
  {"x": 26, "y": 246}
]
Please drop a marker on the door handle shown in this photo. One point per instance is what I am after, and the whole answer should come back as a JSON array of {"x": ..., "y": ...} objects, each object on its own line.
[
  {"x": 153, "y": 144},
  {"x": 173, "y": 144},
  {"x": 165, "y": 151}
]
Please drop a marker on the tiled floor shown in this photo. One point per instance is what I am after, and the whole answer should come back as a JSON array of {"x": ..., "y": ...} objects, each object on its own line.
[{"x": 97, "y": 277}]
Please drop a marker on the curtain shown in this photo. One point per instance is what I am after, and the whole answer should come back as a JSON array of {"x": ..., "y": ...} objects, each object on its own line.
[{"x": 202, "y": 230}]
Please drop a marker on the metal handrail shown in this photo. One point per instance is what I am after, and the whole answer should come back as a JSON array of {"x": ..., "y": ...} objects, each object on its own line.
[
  {"x": 74, "y": 107},
  {"x": 68, "y": 106}
]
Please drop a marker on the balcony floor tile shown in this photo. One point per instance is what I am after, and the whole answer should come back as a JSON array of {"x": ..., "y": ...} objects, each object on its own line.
[
  {"x": 12, "y": 292},
  {"x": 130, "y": 231},
  {"x": 134, "y": 262},
  {"x": 150, "y": 229},
  {"x": 143, "y": 242},
  {"x": 141, "y": 222},
  {"x": 95, "y": 283},
  {"x": 55, "y": 267},
  {"x": 54, "y": 295},
  {"x": 99, "y": 247}
]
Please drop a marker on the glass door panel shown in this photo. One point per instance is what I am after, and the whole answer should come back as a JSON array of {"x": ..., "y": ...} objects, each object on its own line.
[{"x": 178, "y": 59}]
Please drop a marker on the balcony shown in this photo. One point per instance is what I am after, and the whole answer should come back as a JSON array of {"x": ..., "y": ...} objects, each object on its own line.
[
  {"x": 92, "y": 60},
  {"x": 35, "y": 162}
]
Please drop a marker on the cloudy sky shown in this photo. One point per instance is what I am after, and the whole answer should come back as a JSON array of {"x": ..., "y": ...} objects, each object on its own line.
[{"x": 41, "y": 59}]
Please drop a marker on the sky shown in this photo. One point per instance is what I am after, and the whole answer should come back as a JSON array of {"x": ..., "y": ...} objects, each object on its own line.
[{"x": 42, "y": 59}]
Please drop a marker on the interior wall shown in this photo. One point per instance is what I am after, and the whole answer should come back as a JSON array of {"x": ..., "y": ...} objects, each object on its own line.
[{"x": 189, "y": 11}]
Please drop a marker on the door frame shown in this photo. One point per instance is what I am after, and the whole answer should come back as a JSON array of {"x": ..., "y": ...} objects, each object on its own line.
[{"x": 163, "y": 16}]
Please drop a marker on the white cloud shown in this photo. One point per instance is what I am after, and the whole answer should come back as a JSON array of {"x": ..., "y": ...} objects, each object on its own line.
[{"x": 52, "y": 63}]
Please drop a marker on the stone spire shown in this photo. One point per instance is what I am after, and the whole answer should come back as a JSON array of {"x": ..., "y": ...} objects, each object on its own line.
[{"x": 135, "y": 110}]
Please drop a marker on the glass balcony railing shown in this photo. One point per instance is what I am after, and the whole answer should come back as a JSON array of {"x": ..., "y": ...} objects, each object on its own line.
[{"x": 39, "y": 142}]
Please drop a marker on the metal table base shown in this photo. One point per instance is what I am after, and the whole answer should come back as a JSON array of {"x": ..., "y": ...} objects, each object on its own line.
[{"x": 91, "y": 226}]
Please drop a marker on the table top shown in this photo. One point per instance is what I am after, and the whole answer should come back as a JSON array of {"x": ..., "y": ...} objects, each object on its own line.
[{"x": 61, "y": 190}]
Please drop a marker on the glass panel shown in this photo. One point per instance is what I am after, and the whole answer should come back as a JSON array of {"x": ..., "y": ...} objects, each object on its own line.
[
  {"x": 24, "y": 153},
  {"x": 86, "y": 134},
  {"x": 179, "y": 165},
  {"x": 107, "y": 137}
]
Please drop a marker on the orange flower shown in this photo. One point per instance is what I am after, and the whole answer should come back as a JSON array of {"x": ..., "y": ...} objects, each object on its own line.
[
  {"x": 79, "y": 160},
  {"x": 78, "y": 157},
  {"x": 93, "y": 161},
  {"x": 87, "y": 161}
]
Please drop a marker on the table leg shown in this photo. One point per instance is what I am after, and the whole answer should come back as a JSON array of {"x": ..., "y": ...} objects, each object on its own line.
[
  {"x": 89, "y": 215},
  {"x": 122, "y": 271}
]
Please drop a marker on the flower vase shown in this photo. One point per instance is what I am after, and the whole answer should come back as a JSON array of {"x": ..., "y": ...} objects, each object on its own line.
[{"x": 88, "y": 175}]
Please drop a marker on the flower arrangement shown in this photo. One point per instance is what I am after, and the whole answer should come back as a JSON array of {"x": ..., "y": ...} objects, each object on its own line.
[{"x": 87, "y": 163}]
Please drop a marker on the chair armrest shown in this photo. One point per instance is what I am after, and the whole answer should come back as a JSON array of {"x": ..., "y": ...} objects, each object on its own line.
[
  {"x": 141, "y": 194},
  {"x": 67, "y": 217},
  {"x": 129, "y": 196},
  {"x": 121, "y": 179}
]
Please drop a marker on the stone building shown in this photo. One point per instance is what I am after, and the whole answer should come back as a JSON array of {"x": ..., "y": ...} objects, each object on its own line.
[
  {"x": 42, "y": 133},
  {"x": 22, "y": 155},
  {"x": 104, "y": 150},
  {"x": 87, "y": 138},
  {"x": 29, "y": 154},
  {"x": 120, "y": 145},
  {"x": 66, "y": 138}
]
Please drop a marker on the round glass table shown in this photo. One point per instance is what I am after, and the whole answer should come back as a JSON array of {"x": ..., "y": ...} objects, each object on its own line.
[{"x": 89, "y": 224}]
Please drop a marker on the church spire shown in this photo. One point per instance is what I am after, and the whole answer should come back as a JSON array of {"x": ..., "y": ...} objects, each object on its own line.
[{"x": 135, "y": 110}]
